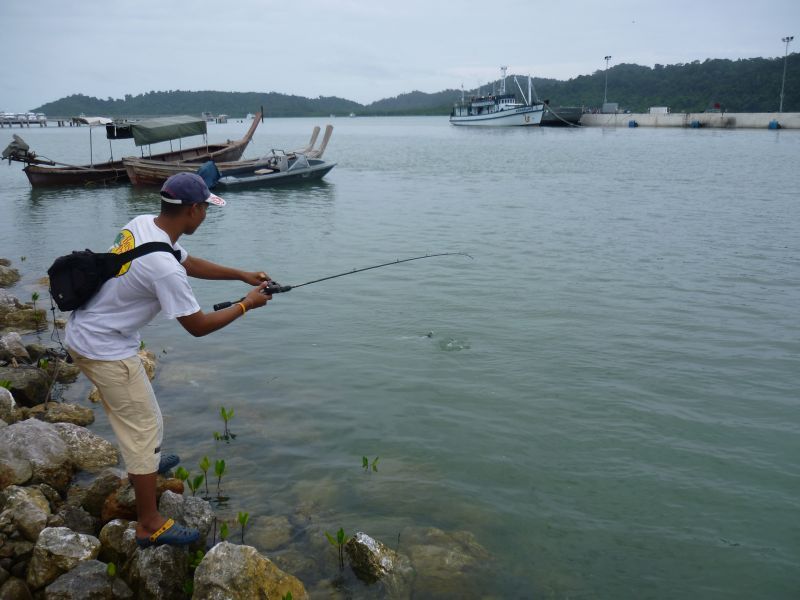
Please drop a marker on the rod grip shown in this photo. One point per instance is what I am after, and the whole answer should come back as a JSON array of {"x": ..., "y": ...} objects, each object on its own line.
[{"x": 272, "y": 288}]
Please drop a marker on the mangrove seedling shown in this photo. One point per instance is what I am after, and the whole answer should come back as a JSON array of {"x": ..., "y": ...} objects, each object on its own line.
[
  {"x": 365, "y": 463},
  {"x": 287, "y": 596},
  {"x": 141, "y": 345},
  {"x": 204, "y": 466},
  {"x": 243, "y": 518},
  {"x": 223, "y": 531},
  {"x": 226, "y": 415},
  {"x": 181, "y": 473},
  {"x": 111, "y": 569},
  {"x": 219, "y": 471},
  {"x": 338, "y": 542},
  {"x": 194, "y": 484}
]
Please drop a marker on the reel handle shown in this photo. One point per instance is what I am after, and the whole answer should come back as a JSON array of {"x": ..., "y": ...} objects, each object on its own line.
[{"x": 273, "y": 287}]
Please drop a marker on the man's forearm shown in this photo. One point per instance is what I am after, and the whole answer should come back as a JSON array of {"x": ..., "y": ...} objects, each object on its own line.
[{"x": 204, "y": 269}]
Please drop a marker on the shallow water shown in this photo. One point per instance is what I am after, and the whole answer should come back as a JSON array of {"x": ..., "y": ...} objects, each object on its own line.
[{"x": 606, "y": 396}]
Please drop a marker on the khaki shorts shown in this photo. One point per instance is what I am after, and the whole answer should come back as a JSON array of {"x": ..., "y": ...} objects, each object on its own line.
[{"x": 131, "y": 406}]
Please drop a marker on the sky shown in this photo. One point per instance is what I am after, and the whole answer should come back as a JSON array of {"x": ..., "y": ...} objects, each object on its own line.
[{"x": 357, "y": 49}]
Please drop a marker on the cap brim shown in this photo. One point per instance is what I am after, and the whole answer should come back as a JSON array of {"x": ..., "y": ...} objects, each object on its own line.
[{"x": 216, "y": 200}]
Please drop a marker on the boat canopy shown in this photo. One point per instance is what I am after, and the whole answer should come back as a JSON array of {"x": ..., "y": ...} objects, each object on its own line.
[
  {"x": 161, "y": 129},
  {"x": 93, "y": 121}
]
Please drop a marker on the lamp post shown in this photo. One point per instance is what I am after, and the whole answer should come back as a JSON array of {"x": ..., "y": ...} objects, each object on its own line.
[
  {"x": 605, "y": 93},
  {"x": 786, "y": 41}
]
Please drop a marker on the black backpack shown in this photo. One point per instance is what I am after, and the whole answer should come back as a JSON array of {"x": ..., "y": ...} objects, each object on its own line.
[{"x": 76, "y": 277}]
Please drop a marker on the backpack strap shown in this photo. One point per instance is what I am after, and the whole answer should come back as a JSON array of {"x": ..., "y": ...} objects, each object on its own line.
[{"x": 147, "y": 248}]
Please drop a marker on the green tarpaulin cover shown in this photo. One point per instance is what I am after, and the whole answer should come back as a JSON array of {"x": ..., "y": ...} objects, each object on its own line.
[{"x": 161, "y": 129}]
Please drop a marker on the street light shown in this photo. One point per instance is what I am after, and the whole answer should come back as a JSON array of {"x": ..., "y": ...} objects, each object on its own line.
[
  {"x": 786, "y": 41},
  {"x": 605, "y": 94}
]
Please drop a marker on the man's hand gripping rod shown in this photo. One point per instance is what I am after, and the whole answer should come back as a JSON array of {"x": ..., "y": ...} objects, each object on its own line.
[{"x": 274, "y": 287}]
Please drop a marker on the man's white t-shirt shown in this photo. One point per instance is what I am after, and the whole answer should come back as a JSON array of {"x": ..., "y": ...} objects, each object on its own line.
[{"x": 107, "y": 327}]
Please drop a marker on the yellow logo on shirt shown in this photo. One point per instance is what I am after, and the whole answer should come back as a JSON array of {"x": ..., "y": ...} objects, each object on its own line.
[{"x": 124, "y": 242}]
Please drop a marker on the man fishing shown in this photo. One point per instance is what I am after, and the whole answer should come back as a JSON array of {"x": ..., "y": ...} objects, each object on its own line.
[{"x": 103, "y": 337}]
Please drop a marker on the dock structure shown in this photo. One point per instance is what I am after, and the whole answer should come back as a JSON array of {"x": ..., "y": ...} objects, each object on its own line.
[
  {"x": 717, "y": 120},
  {"x": 22, "y": 119}
]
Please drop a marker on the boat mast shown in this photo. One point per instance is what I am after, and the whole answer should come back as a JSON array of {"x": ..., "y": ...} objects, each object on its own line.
[{"x": 503, "y": 70}]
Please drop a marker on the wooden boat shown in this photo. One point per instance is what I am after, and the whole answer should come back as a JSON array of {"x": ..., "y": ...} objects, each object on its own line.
[
  {"x": 155, "y": 170},
  {"x": 43, "y": 172}
]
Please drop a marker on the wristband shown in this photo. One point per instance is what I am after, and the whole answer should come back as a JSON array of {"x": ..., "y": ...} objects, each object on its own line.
[{"x": 243, "y": 307}]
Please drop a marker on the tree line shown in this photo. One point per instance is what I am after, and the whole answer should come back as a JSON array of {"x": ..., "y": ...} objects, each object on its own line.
[{"x": 744, "y": 85}]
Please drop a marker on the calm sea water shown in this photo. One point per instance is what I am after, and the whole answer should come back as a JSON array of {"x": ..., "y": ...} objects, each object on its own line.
[{"x": 606, "y": 396}]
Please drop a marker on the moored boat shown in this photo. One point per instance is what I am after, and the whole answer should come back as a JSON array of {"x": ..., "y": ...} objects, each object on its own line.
[
  {"x": 556, "y": 116},
  {"x": 155, "y": 170},
  {"x": 282, "y": 168},
  {"x": 498, "y": 110}
]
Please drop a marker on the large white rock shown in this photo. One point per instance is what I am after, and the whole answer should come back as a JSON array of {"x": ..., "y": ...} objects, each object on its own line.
[{"x": 57, "y": 551}]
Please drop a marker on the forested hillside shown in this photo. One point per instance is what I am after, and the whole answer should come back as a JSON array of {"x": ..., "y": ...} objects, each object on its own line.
[{"x": 745, "y": 85}]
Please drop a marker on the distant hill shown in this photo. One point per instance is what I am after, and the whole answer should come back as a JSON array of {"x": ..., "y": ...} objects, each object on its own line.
[{"x": 744, "y": 85}]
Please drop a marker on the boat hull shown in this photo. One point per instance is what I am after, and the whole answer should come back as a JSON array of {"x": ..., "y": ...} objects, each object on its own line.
[
  {"x": 561, "y": 116},
  {"x": 523, "y": 116},
  {"x": 103, "y": 174},
  {"x": 311, "y": 173}
]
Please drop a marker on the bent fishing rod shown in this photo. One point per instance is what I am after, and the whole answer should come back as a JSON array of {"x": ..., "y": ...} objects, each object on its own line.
[{"x": 273, "y": 287}]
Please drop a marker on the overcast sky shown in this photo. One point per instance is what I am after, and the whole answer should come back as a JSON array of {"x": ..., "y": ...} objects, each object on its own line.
[{"x": 358, "y": 49}]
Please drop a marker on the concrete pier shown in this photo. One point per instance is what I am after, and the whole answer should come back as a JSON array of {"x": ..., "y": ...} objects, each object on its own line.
[{"x": 719, "y": 120}]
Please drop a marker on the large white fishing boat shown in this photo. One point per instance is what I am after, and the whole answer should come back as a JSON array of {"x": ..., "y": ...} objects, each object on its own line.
[{"x": 498, "y": 110}]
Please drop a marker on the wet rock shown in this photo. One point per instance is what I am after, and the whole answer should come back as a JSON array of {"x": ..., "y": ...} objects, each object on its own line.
[
  {"x": 158, "y": 572},
  {"x": 118, "y": 541},
  {"x": 77, "y": 519},
  {"x": 62, "y": 371},
  {"x": 16, "y": 551},
  {"x": 11, "y": 346},
  {"x": 234, "y": 572},
  {"x": 40, "y": 444},
  {"x": 8, "y": 407},
  {"x": 29, "y": 385},
  {"x": 4, "y": 575},
  {"x": 8, "y": 276},
  {"x": 27, "y": 508},
  {"x": 37, "y": 351},
  {"x": 90, "y": 579},
  {"x": 5, "y": 262},
  {"x": 62, "y": 412},
  {"x": 121, "y": 504},
  {"x": 57, "y": 551},
  {"x": 95, "y": 495},
  {"x": 87, "y": 451},
  {"x": 189, "y": 511},
  {"x": 14, "y": 471},
  {"x": 22, "y": 317},
  {"x": 372, "y": 561},
  {"x": 269, "y": 532},
  {"x": 52, "y": 495},
  {"x": 15, "y": 589}
]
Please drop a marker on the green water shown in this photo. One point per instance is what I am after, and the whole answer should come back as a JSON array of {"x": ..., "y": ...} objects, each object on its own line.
[{"x": 606, "y": 396}]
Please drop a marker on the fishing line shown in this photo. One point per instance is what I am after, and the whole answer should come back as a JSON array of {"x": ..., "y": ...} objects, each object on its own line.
[{"x": 275, "y": 288}]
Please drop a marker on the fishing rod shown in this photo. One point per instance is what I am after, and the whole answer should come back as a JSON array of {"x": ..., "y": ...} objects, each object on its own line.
[{"x": 273, "y": 287}]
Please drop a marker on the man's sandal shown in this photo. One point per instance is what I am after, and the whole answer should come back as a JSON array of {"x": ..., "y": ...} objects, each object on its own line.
[
  {"x": 170, "y": 533},
  {"x": 167, "y": 462}
]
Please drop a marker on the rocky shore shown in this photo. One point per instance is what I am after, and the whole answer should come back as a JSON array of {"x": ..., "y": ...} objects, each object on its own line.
[{"x": 60, "y": 539}]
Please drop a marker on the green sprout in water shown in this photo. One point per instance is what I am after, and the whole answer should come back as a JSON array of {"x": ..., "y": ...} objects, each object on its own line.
[
  {"x": 219, "y": 471},
  {"x": 223, "y": 531},
  {"x": 226, "y": 415},
  {"x": 366, "y": 465},
  {"x": 243, "y": 518},
  {"x": 205, "y": 464},
  {"x": 141, "y": 345},
  {"x": 181, "y": 473},
  {"x": 338, "y": 542},
  {"x": 194, "y": 484}
]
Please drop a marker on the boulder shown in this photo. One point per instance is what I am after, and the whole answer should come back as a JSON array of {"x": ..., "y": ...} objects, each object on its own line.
[
  {"x": 29, "y": 385},
  {"x": 158, "y": 572},
  {"x": 371, "y": 561},
  {"x": 40, "y": 444},
  {"x": 118, "y": 541},
  {"x": 90, "y": 579},
  {"x": 11, "y": 346},
  {"x": 8, "y": 276},
  {"x": 15, "y": 589},
  {"x": 95, "y": 495},
  {"x": 189, "y": 511},
  {"x": 57, "y": 551},
  {"x": 8, "y": 408},
  {"x": 87, "y": 451},
  {"x": 14, "y": 471},
  {"x": 27, "y": 508},
  {"x": 77, "y": 519},
  {"x": 22, "y": 317},
  {"x": 5, "y": 262},
  {"x": 121, "y": 504},
  {"x": 62, "y": 371},
  {"x": 16, "y": 551},
  {"x": 232, "y": 572},
  {"x": 62, "y": 412}
]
